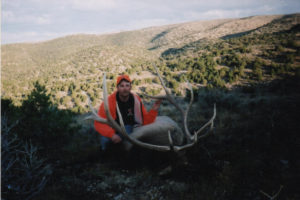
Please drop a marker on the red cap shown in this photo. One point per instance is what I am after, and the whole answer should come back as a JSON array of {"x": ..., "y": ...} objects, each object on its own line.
[{"x": 121, "y": 77}]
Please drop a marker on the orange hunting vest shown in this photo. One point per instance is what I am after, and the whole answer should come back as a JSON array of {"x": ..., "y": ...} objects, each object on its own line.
[{"x": 141, "y": 115}]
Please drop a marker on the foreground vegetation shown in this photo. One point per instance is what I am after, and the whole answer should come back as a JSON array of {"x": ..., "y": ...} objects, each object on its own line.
[{"x": 254, "y": 147}]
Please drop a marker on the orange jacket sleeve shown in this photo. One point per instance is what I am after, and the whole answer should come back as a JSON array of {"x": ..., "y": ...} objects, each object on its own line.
[
  {"x": 101, "y": 128},
  {"x": 104, "y": 129},
  {"x": 149, "y": 117}
]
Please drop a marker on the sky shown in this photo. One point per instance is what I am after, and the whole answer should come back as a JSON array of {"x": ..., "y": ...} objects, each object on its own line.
[{"x": 39, "y": 20}]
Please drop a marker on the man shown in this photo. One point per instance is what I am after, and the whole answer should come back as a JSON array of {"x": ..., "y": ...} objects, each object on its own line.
[{"x": 132, "y": 110}]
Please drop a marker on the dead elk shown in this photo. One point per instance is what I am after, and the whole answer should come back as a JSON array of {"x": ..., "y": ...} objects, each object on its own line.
[{"x": 162, "y": 135}]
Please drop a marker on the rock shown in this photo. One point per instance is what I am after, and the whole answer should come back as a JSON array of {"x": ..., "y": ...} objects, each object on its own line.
[{"x": 102, "y": 186}]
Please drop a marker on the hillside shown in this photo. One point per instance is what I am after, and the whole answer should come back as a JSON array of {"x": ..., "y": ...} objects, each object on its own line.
[{"x": 85, "y": 57}]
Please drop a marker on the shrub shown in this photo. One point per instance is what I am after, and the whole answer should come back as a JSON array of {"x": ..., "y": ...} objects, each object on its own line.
[
  {"x": 23, "y": 173},
  {"x": 257, "y": 69},
  {"x": 289, "y": 58},
  {"x": 279, "y": 48}
]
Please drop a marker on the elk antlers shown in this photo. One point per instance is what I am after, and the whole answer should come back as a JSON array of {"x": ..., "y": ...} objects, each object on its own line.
[
  {"x": 191, "y": 139},
  {"x": 184, "y": 113}
]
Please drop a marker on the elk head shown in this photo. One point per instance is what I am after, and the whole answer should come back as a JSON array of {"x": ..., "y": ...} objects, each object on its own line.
[{"x": 162, "y": 135}]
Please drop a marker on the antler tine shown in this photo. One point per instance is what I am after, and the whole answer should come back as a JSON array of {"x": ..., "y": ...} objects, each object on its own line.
[
  {"x": 180, "y": 148},
  {"x": 210, "y": 122},
  {"x": 110, "y": 120},
  {"x": 168, "y": 95},
  {"x": 192, "y": 97},
  {"x": 196, "y": 137},
  {"x": 170, "y": 140},
  {"x": 94, "y": 114},
  {"x": 137, "y": 142},
  {"x": 187, "y": 111},
  {"x": 170, "y": 98}
]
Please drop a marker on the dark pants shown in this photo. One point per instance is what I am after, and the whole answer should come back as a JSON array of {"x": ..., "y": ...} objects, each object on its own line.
[{"x": 105, "y": 141}]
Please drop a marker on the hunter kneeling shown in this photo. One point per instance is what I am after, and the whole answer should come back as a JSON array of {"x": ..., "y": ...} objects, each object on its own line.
[{"x": 131, "y": 108}]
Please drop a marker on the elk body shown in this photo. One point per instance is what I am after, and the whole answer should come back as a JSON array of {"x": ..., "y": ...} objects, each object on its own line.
[
  {"x": 162, "y": 135},
  {"x": 156, "y": 133}
]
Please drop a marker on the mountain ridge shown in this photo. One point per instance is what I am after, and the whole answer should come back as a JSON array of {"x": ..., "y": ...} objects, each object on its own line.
[{"x": 176, "y": 35}]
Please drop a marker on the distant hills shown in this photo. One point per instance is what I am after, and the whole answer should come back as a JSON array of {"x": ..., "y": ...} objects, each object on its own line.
[{"x": 83, "y": 58}]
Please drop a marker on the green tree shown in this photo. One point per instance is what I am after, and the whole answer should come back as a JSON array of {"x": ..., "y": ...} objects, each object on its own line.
[{"x": 43, "y": 124}]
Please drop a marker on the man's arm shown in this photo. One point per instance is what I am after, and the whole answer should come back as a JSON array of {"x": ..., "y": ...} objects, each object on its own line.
[
  {"x": 149, "y": 117},
  {"x": 101, "y": 128},
  {"x": 156, "y": 105}
]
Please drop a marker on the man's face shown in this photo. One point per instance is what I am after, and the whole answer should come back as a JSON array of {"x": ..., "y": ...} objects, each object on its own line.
[{"x": 124, "y": 88}]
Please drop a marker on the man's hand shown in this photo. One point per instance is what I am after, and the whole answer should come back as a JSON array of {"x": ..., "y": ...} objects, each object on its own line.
[
  {"x": 157, "y": 104},
  {"x": 116, "y": 138}
]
